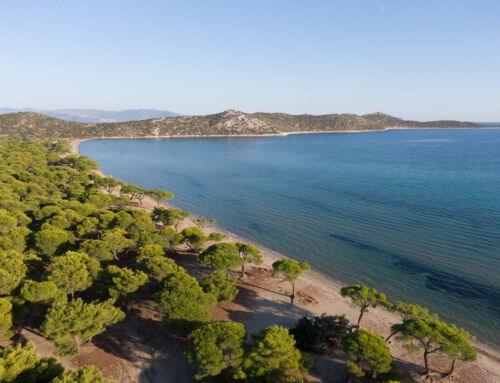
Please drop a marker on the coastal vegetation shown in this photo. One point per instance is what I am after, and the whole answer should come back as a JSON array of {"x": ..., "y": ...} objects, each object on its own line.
[
  {"x": 432, "y": 335},
  {"x": 250, "y": 254},
  {"x": 364, "y": 297},
  {"x": 220, "y": 286},
  {"x": 367, "y": 351},
  {"x": 77, "y": 250},
  {"x": 290, "y": 269},
  {"x": 219, "y": 348},
  {"x": 216, "y": 347},
  {"x": 319, "y": 333},
  {"x": 21, "y": 364},
  {"x": 30, "y": 125},
  {"x": 222, "y": 257}
]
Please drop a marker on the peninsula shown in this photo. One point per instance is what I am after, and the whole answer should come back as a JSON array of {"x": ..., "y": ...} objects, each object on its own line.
[{"x": 30, "y": 125}]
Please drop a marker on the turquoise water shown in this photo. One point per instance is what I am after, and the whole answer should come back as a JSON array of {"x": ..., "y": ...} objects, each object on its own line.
[{"x": 414, "y": 213}]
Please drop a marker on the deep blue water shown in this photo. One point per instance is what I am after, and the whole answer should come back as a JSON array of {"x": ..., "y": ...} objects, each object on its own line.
[{"x": 414, "y": 213}]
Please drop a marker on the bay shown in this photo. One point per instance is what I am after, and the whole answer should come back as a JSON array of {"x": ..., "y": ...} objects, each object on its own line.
[{"x": 413, "y": 213}]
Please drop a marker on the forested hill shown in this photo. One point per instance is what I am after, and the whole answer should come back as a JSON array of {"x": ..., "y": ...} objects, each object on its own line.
[{"x": 31, "y": 125}]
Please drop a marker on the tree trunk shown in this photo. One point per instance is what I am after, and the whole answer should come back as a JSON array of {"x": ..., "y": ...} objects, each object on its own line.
[
  {"x": 360, "y": 317},
  {"x": 76, "y": 342},
  {"x": 426, "y": 362},
  {"x": 452, "y": 369},
  {"x": 292, "y": 297},
  {"x": 243, "y": 270},
  {"x": 390, "y": 336}
]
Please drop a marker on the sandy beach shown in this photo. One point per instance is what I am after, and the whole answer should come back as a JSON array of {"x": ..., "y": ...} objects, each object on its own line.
[{"x": 141, "y": 350}]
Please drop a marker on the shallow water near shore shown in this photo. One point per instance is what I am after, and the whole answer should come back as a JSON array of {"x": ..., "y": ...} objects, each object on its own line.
[{"x": 413, "y": 213}]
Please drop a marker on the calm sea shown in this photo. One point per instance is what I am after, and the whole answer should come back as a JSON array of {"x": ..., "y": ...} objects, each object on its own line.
[{"x": 413, "y": 213}]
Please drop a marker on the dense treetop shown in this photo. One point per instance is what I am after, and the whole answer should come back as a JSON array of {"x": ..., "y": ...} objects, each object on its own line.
[
  {"x": 70, "y": 247},
  {"x": 368, "y": 351}
]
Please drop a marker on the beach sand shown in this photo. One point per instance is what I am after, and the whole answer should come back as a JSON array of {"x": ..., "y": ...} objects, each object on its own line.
[{"x": 140, "y": 349}]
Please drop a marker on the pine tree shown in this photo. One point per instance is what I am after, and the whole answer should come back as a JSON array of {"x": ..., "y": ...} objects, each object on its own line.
[
  {"x": 250, "y": 254},
  {"x": 73, "y": 272},
  {"x": 21, "y": 364},
  {"x": 366, "y": 350},
  {"x": 434, "y": 336},
  {"x": 216, "y": 346},
  {"x": 221, "y": 256},
  {"x": 123, "y": 281},
  {"x": 273, "y": 357},
  {"x": 220, "y": 286},
  {"x": 85, "y": 374},
  {"x": 115, "y": 241},
  {"x": 12, "y": 271},
  {"x": 364, "y": 297},
  {"x": 69, "y": 323},
  {"x": 160, "y": 195},
  {"x": 41, "y": 292},
  {"x": 5, "y": 318},
  {"x": 195, "y": 237},
  {"x": 49, "y": 240},
  {"x": 290, "y": 269}
]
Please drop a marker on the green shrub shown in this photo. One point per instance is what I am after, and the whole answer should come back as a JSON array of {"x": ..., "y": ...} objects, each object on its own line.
[
  {"x": 215, "y": 347},
  {"x": 273, "y": 357},
  {"x": 317, "y": 334},
  {"x": 368, "y": 352},
  {"x": 220, "y": 286}
]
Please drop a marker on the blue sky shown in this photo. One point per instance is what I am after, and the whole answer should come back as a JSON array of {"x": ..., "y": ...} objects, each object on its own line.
[{"x": 415, "y": 59}]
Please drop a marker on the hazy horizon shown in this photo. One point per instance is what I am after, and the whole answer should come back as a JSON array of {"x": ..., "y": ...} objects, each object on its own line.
[{"x": 171, "y": 112}]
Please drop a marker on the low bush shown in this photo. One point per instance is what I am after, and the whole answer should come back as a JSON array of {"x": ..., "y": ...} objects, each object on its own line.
[
  {"x": 220, "y": 286},
  {"x": 317, "y": 334}
]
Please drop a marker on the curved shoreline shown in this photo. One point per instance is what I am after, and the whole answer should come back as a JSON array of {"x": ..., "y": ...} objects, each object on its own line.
[
  {"x": 326, "y": 288},
  {"x": 75, "y": 142}
]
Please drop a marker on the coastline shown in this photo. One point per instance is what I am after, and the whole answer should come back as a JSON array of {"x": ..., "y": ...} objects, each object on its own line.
[
  {"x": 321, "y": 293},
  {"x": 74, "y": 143}
]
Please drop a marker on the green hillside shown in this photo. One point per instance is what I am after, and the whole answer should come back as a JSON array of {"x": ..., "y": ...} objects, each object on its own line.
[{"x": 30, "y": 125}]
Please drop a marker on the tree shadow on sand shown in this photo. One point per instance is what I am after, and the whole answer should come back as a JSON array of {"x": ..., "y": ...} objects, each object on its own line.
[
  {"x": 189, "y": 260},
  {"x": 329, "y": 367},
  {"x": 408, "y": 368},
  {"x": 145, "y": 342},
  {"x": 243, "y": 283},
  {"x": 257, "y": 312}
]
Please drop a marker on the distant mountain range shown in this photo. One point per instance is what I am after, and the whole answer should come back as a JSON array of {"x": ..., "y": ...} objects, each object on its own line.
[
  {"x": 30, "y": 125},
  {"x": 97, "y": 115}
]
